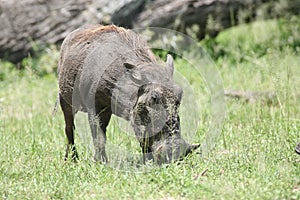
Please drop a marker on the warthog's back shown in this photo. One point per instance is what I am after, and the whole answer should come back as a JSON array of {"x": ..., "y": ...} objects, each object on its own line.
[{"x": 92, "y": 58}]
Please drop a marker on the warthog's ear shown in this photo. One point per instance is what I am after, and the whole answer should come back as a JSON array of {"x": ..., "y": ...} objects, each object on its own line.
[
  {"x": 170, "y": 65},
  {"x": 135, "y": 75}
]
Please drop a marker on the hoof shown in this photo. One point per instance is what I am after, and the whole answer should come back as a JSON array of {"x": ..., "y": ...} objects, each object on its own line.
[
  {"x": 100, "y": 157},
  {"x": 74, "y": 157}
]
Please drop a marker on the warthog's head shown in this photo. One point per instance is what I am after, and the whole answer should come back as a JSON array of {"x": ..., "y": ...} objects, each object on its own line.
[{"x": 155, "y": 115}]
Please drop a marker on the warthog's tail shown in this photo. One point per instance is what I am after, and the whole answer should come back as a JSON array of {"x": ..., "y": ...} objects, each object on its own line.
[{"x": 56, "y": 105}]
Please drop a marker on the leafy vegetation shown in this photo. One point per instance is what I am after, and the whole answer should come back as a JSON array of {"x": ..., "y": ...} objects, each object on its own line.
[{"x": 254, "y": 156}]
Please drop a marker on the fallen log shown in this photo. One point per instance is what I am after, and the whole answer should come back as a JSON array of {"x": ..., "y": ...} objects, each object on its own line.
[{"x": 266, "y": 97}]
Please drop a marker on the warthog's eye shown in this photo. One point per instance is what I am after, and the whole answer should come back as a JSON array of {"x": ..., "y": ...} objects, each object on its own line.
[
  {"x": 155, "y": 96},
  {"x": 142, "y": 90}
]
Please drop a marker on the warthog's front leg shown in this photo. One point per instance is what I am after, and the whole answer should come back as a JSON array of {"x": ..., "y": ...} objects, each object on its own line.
[
  {"x": 98, "y": 124},
  {"x": 145, "y": 142}
]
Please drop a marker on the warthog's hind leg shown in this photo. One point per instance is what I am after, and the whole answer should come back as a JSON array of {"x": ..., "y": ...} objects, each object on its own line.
[{"x": 69, "y": 128}]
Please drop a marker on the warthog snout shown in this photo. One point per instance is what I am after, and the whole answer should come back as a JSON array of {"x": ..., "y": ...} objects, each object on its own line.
[{"x": 171, "y": 149}]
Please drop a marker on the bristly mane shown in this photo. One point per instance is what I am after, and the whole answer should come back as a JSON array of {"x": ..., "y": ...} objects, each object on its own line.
[{"x": 133, "y": 40}]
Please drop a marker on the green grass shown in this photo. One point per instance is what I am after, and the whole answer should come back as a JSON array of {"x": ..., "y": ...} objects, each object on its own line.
[{"x": 254, "y": 157}]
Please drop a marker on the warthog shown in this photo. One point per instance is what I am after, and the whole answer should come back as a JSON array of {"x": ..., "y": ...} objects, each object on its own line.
[{"x": 105, "y": 70}]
